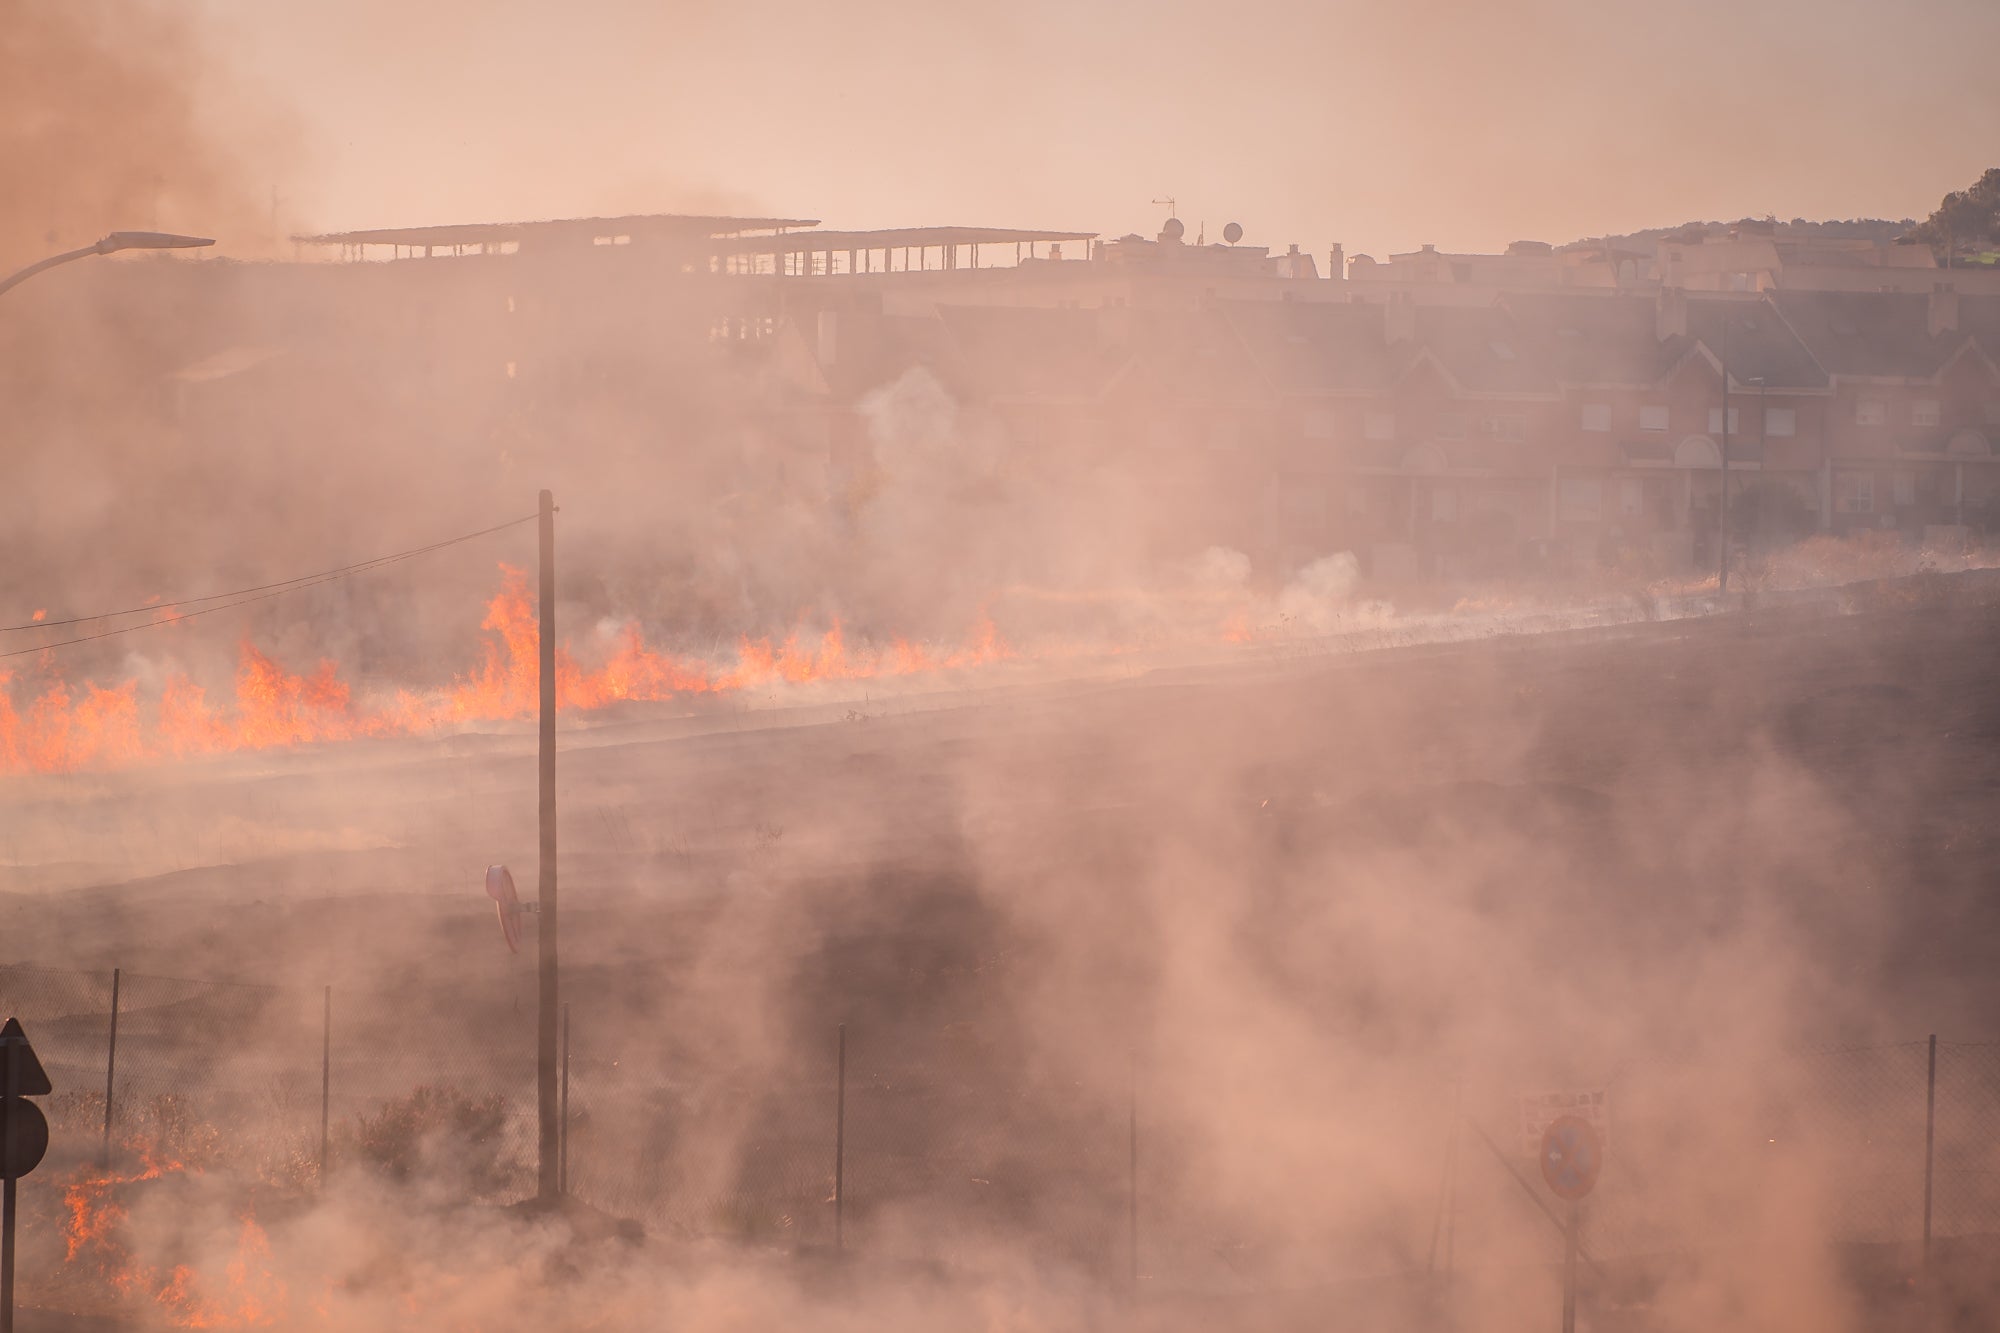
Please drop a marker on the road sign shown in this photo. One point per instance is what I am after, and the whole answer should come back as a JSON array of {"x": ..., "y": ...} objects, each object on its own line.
[
  {"x": 1571, "y": 1157},
  {"x": 26, "y": 1135},
  {"x": 30, "y": 1079},
  {"x": 500, "y": 888},
  {"x": 1539, "y": 1108}
]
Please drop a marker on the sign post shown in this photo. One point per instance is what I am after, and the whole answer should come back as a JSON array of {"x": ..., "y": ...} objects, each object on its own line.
[
  {"x": 1569, "y": 1271},
  {"x": 24, "y": 1138},
  {"x": 1571, "y": 1158}
]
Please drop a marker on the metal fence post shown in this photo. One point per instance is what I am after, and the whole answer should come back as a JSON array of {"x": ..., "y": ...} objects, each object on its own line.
[
  {"x": 1451, "y": 1175},
  {"x": 110, "y": 1073},
  {"x": 325, "y": 1075},
  {"x": 1132, "y": 1174},
  {"x": 562, "y": 1141},
  {"x": 840, "y": 1139},
  {"x": 1444, "y": 1220},
  {"x": 1930, "y": 1146}
]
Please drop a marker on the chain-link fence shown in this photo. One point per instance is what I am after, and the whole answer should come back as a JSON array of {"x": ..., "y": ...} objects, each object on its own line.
[{"x": 861, "y": 1148}]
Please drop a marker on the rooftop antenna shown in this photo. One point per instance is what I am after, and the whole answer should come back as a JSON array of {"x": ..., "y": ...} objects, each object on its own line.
[{"x": 1172, "y": 206}]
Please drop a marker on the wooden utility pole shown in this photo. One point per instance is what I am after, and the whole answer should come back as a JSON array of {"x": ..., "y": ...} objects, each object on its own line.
[{"x": 548, "y": 1113}]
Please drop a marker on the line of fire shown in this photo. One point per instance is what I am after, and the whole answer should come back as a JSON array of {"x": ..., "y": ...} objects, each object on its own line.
[
  {"x": 1626, "y": 411},
  {"x": 945, "y": 609}
]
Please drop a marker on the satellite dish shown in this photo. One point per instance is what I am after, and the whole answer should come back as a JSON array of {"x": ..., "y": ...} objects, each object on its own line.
[
  {"x": 1233, "y": 232},
  {"x": 500, "y": 888},
  {"x": 1173, "y": 229}
]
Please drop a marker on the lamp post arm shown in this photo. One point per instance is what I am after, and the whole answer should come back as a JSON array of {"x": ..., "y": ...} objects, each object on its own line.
[
  {"x": 112, "y": 244},
  {"x": 31, "y": 270}
]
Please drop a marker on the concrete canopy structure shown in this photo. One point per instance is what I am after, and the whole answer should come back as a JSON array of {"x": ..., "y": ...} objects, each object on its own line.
[
  {"x": 504, "y": 237},
  {"x": 808, "y": 255}
]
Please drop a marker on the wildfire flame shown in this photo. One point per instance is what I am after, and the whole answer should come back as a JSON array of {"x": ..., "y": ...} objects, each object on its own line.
[
  {"x": 60, "y": 727},
  {"x": 248, "y": 1295},
  {"x": 92, "y": 1212}
]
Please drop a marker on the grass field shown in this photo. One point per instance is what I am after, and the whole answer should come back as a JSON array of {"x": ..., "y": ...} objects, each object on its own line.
[{"x": 1294, "y": 909}]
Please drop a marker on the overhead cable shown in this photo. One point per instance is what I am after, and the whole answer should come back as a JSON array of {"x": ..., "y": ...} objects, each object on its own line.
[{"x": 223, "y": 601}]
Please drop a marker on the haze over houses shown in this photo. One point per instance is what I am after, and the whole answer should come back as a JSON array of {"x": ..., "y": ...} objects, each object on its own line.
[{"x": 1435, "y": 414}]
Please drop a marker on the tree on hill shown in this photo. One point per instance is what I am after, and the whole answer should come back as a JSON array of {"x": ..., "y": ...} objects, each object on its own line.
[{"x": 1966, "y": 217}]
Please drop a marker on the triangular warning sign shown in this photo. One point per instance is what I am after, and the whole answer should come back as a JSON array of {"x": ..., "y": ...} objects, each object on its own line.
[{"x": 30, "y": 1079}]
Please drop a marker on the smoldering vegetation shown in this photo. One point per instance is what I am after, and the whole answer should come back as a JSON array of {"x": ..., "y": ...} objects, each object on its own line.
[
  {"x": 1317, "y": 930},
  {"x": 1208, "y": 997}
]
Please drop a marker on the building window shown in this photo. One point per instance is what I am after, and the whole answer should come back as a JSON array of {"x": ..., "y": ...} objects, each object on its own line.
[
  {"x": 1870, "y": 412},
  {"x": 1653, "y": 416},
  {"x": 1597, "y": 417},
  {"x": 1924, "y": 412},
  {"x": 1444, "y": 504},
  {"x": 1631, "y": 498},
  {"x": 1715, "y": 421},
  {"x": 1782, "y": 422},
  {"x": 1379, "y": 426},
  {"x": 1450, "y": 426},
  {"x": 1320, "y": 423},
  {"x": 1578, "y": 499},
  {"x": 1854, "y": 492},
  {"x": 1507, "y": 428},
  {"x": 1903, "y": 486}
]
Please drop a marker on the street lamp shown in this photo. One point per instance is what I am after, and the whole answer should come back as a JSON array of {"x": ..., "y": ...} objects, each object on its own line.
[
  {"x": 117, "y": 240},
  {"x": 1722, "y": 510}
]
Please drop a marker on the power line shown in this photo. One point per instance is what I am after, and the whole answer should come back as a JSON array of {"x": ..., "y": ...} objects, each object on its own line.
[
  {"x": 280, "y": 584},
  {"x": 241, "y": 596}
]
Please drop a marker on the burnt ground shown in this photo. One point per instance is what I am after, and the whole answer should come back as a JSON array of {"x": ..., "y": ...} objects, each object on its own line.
[
  {"x": 332, "y": 862},
  {"x": 1415, "y": 852}
]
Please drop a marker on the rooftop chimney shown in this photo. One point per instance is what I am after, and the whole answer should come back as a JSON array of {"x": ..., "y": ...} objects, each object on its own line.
[
  {"x": 1670, "y": 313},
  {"x": 1944, "y": 309},
  {"x": 1336, "y": 262},
  {"x": 1399, "y": 318}
]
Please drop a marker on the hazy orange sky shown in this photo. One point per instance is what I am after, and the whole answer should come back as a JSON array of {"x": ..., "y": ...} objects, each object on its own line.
[{"x": 1382, "y": 125}]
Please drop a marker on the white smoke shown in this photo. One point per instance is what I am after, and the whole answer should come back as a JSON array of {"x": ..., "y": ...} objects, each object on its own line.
[{"x": 1320, "y": 597}]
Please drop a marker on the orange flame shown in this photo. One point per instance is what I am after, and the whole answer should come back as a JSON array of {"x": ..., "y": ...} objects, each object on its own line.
[
  {"x": 92, "y": 1212},
  {"x": 250, "y": 1295},
  {"x": 63, "y": 729}
]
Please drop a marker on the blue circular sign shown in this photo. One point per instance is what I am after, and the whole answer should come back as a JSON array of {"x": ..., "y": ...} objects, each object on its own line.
[{"x": 1571, "y": 1157}]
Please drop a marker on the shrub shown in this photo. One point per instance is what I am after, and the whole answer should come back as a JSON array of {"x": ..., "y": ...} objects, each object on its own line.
[{"x": 436, "y": 1132}]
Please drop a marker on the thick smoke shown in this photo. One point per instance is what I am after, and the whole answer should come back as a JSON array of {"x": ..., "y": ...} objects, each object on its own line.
[
  {"x": 1259, "y": 954},
  {"x": 110, "y": 113},
  {"x": 1298, "y": 923}
]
